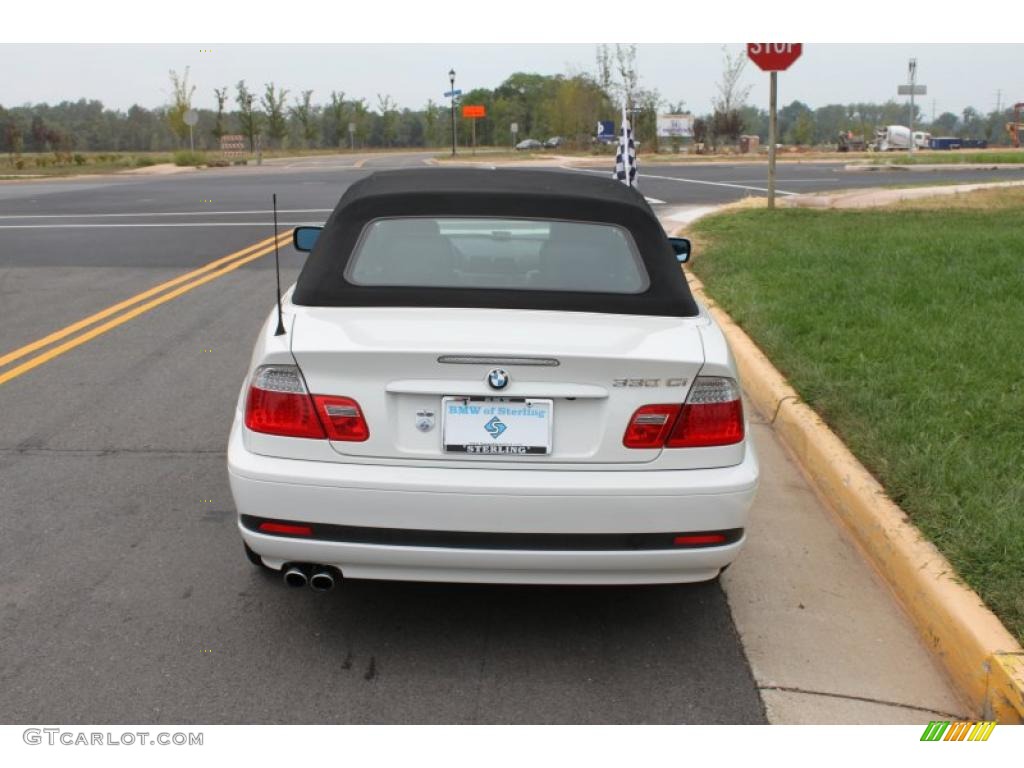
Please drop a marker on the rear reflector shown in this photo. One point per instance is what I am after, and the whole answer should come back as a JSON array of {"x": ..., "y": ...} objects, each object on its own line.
[
  {"x": 699, "y": 539},
  {"x": 285, "y": 529},
  {"x": 342, "y": 417},
  {"x": 278, "y": 404}
]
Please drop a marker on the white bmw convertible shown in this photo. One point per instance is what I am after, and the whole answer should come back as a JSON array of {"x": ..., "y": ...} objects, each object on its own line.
[{"x": 491, "y": 376}]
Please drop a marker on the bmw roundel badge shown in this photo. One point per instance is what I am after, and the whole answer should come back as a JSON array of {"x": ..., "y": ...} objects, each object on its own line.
[{"x": 497, "y": 378}]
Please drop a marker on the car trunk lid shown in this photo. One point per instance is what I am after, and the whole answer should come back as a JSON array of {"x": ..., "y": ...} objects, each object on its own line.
[{"x": 421, "y": 377}]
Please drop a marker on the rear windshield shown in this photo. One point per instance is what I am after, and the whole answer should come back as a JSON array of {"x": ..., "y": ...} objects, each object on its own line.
[{"x": 479, "y": 253}]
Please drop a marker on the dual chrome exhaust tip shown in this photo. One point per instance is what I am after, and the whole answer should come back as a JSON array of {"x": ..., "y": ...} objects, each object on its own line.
[{"x": 319, "y": 578}]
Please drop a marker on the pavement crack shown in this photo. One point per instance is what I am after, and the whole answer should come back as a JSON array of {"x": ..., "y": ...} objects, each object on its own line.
[
  {"x": 483, "y": 664},
  {"x": 866, "y": 699},
  {"x": 778, "y": 406}
]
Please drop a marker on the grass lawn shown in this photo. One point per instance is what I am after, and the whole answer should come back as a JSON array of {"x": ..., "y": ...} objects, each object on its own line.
[
  {"x": 980, "y": 157},
  {"x": 36, "y": 164},
  {"x": 904, "y": 329}
]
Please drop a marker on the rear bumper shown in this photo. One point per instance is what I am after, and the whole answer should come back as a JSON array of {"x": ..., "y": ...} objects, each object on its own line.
[{"x": 477, "y": 500}]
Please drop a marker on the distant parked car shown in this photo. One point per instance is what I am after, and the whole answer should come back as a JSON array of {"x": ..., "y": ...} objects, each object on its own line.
[
  {"x": 529, "y": 144},
  {"x": 554, "y": 142}
]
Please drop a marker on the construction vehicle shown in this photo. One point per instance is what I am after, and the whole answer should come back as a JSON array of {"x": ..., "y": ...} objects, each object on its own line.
[
  {"x": 1015, "y": 128},
  {"x": 893, "y": 137},
  {"x": 848, "y": 142}
]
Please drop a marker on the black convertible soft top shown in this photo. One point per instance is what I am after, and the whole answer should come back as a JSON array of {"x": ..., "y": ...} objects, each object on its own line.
[{"x": 503, "y": 193}]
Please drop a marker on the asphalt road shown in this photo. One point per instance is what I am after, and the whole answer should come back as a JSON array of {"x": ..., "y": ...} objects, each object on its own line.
[{"x": 124, "y": 594}]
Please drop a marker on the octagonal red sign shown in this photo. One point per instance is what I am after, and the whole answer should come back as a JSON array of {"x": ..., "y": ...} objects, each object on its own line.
[{"x": 774, "y": 57}]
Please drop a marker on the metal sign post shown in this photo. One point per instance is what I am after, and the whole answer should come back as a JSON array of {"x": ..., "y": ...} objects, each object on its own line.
[
  {"x": 474, "y": 112},
  {"x": 911, "y": 89},
  {"x": 773, "y": 127},
  {"x": 515, "y": 130},
  {"x": 352, "y": 136},
  {"x": 773, "y": 58},
  {"x": 191, "y": 117}
]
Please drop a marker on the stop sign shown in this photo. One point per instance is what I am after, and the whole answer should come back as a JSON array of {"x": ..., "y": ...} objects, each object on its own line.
[{"x": 774, "y": 57}]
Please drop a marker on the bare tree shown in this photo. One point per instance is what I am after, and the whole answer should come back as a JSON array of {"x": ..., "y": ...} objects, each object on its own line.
[
  {"x": 273, "y": 104},
  {"x": 336, "y": 112},
  {"x": 219, "y": 126},
  {"x": 387, "y": 115},
  {"x": 303, "y": 113},
  {"x": 181, "y": 102},
  {"x": 625, "y": 60},
  {"x": 249, "y": 118},
  {"x": 727, "y": 122},
  {"x": 604, "y": 68},
  {"x": 731, "y": 95}
]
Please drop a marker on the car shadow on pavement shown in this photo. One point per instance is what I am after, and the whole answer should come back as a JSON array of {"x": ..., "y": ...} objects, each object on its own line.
[{"x": 420, "y": 652}]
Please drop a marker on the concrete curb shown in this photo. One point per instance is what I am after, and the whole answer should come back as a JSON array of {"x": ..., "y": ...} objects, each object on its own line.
[
  {"x": 875, "y": 197},
  {"x": 984, "y": 660},
  {"x": 925, "y": 167}
]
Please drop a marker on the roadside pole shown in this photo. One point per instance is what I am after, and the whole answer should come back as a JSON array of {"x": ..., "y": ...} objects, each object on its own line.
[
  {"x": 191, "y": 117},
  {"x": 352, "y": 136},
  {"x": 912, "y": 78},
  {"x": 773, "y": 58},
  {"x": 473, "y": 112},
  {"x": 911, "y": 89},
  {"x": 773, "y": 95},
  {"x": 452, "y": 94}
]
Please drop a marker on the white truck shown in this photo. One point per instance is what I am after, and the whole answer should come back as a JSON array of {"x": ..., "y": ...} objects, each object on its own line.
[{"x": 894, "y": 137}]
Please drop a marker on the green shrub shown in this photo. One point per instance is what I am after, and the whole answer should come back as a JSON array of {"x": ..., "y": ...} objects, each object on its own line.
[
  {"x": 144, "y": 162},
  {"x": 184, "y": 157},
  {"x": 80, "y": 159}
]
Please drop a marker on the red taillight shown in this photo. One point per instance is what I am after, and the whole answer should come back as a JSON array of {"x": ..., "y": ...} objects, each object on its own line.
[
  {"x": 699, "y": 539},
  {"x": 278, "y": 404},
  {"x": 285, "y": 529},
  {"x": 712, "y": 415},
  {"x": 650, "y": 425},
  {"x": 342, "y": 417}
]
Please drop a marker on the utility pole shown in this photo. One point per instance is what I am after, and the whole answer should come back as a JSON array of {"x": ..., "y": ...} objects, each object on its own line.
[
  {"x": 451, "y": 78},
  {"x": 912, "y": 79},
  {"x": 999, "y": 100},
  {"x": 912, "y": 89}
]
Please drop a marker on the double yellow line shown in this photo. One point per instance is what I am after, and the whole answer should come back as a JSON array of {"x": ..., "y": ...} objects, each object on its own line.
[{"x": 135, "y": 306}]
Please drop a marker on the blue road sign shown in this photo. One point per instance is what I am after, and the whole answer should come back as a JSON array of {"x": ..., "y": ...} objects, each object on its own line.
[{"x": 449, "y": 94}]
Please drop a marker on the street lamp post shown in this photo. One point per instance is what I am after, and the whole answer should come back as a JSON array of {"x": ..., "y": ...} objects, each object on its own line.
[{"x": 451, "y": 78}]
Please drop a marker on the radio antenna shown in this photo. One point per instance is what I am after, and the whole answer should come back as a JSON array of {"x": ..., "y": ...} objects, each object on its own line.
[{"x": 277, "y": 269}]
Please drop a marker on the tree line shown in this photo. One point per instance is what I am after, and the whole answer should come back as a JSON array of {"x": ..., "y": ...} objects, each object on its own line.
[{"x": 566, "y": 105}]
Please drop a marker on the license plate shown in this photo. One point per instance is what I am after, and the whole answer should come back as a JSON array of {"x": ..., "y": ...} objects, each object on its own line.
[{"x": 496, "y": 426}]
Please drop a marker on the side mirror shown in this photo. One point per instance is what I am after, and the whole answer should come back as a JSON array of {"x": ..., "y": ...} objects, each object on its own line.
[
  {"x": 304, "y": 238},
  {"x": 681, "y": 246}
]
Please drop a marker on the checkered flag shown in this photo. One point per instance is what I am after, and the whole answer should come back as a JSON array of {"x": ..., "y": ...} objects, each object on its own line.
[{"x": 625, "y": 157}]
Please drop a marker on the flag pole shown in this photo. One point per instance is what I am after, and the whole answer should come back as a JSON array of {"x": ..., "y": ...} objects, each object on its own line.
[{"x": 624, "y": 141}]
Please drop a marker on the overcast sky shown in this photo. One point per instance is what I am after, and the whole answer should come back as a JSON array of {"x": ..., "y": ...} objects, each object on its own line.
[{"x": 122, "y": 75}]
